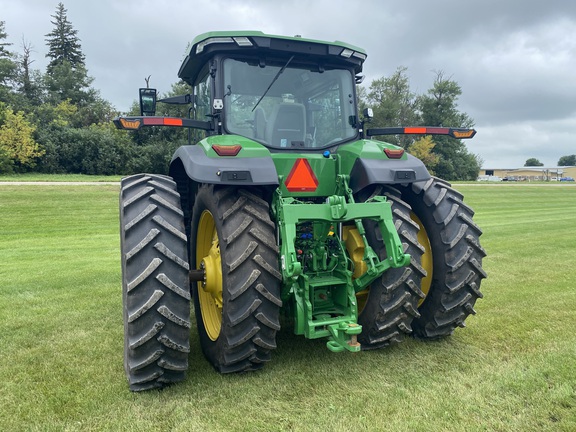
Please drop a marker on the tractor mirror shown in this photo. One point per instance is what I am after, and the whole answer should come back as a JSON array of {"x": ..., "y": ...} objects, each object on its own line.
[{"x": 147, "y": 102}]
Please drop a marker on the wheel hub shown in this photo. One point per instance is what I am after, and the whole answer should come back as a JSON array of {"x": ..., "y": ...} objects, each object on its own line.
[
  {"x": 210, "y": 287},
  {"x": 212, "y": 265}
]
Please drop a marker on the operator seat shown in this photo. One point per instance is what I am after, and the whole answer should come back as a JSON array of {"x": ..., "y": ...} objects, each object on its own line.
[
  {"x": 260, "y": 124},
  {"x": 286, "y": 125}
]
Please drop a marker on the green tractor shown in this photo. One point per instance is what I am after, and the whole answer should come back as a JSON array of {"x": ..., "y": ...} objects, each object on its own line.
[{"x": 285, "y": 203}]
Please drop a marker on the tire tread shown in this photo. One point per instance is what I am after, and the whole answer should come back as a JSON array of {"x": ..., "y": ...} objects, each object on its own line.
[
  {"x": 457, "y": 274},
  {"x": 156, "y": 298}
]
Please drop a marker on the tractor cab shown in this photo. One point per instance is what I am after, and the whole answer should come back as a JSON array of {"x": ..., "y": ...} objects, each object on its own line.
[
  {"x": 284, "y": 93},
  {"x": 288, "y": 106}
]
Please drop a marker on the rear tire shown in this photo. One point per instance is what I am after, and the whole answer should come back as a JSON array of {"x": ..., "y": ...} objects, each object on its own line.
[
  {"x": 451, "y": 241},
  {"x": 392, "y": 298},
  {"x": 155, "y": 285},
  {"x": 238, "y": 305}
]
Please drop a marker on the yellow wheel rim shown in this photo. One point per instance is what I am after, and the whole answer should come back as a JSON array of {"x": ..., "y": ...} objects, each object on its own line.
[
  {"x": 427, "y": 261},
  {"x": 355, "y": 248},
  {"x": 209, "y": 290}
]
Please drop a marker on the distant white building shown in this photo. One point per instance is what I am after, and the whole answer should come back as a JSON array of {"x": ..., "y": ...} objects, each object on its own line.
[{"x": 529, "y": 173}]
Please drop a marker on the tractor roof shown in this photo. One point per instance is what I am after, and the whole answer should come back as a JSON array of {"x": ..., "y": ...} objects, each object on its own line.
[{"x": 261, "y": 45}]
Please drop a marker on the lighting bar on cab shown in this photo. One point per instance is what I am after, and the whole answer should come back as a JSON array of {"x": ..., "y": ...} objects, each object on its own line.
[
  {"x": 240, "y": 41},
  {"x": 137, "y": 122},
  {"x": 460, "y": 133}
]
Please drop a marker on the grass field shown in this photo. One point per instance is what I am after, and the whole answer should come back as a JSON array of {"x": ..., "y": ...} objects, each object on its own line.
[
  {"x": 512, "y": 369},
  {"x": 35, "y": 177}
]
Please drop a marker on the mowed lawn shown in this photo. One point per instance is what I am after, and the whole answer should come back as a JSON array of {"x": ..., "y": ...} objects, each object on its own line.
[{"x": 513, "y": 368}]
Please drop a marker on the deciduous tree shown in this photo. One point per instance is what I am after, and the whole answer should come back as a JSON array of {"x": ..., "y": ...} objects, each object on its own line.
[
  {"x": 439, "y": 108},
  {"x": 17, "y": 141},
  {"x": 394, "y": 104},
  {"x": 533, "y": 162},
  {"x": 567, "y": 160},
  {"x": 422, "y": 149}
]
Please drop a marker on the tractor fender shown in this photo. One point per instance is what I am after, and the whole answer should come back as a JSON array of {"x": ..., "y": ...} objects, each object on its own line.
[
  {"x": 366, "y": 172},
  {"x": 227, "y": 170}
]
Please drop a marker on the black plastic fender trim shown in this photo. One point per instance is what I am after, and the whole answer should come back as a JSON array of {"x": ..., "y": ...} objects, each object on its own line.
[
  {"x": 225, "y": 170},
  {"x": 366, "y": 172}
]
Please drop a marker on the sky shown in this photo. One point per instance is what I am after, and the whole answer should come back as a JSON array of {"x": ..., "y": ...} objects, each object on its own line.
[{"x": 515, "y": 60}]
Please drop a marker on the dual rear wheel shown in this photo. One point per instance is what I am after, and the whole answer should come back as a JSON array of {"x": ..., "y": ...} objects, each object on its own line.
[
  {"x": 437, "y": 291},
  {"x": 238, "y": 302}
]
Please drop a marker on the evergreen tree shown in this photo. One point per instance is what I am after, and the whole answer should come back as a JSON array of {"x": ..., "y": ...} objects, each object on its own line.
[
  {"x": 66, "y": 82},
  {"x": 8, "y": 66},
  {"x": 66, "y": 74},
  {"x": 63, "y": 42},
  {"x": 4, "y": 52}
]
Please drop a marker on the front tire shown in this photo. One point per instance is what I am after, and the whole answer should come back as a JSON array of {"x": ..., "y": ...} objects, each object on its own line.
[
  {"x": 155, "y": 285},
  {"x": 238, "y": 304}
]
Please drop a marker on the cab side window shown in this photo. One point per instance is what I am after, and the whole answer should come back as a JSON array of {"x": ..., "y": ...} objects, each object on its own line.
[{"x": 202, "y": 108}]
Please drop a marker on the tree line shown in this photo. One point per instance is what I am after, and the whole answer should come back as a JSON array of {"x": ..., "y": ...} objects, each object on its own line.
[
  {"x": 568, "y": 160},
  {"x": 395, "y": 104},
  {"x": 55, "y": 121}
]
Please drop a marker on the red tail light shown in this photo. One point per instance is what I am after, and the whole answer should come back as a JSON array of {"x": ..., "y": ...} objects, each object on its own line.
[
  {"x": 394, "y": 153},
  {"x": 227, "y": 150},
  {"x": 161, "y": 121}
]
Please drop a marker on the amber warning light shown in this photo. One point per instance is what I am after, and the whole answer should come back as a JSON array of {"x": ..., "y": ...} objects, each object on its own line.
[
  {"x": 463, "y": 133},
  {"x": 129, "y": 124}
]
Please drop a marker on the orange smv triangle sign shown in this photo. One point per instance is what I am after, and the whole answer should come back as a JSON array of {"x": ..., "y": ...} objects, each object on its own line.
[{"x": 301, "y": 177}]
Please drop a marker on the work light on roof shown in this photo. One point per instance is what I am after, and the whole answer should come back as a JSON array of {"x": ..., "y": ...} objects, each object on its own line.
[
  {"x": 350, "y": 53},
  {"x": 209, "y": 41},
  {"x": 242, "y": 41},
  {"x": 347, "y": 53}
]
